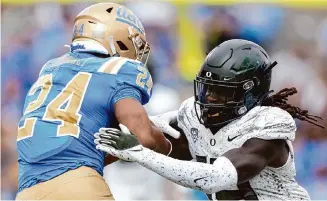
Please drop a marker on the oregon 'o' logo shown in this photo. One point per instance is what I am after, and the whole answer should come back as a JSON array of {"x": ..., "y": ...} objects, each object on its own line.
[{"x": 213, "y": 142}]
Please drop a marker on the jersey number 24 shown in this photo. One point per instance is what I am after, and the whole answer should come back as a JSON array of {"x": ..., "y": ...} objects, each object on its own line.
[{"x": 72, "y": 95}]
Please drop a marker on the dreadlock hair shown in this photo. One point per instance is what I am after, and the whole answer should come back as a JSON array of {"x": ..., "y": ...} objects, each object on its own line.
[{"x": 280, "y": 100}]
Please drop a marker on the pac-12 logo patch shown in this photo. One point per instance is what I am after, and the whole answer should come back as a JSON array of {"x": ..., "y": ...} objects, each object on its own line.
[{"x": 194, "y": 134}]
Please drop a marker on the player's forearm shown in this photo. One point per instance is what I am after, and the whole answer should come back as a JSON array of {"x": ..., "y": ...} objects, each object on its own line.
[
  {"x": 151, "y": 137},
  {"x": 162, "y": 145},
  {"x": 132, "y": 114},
  {"x": 208, "y": 178},
  {"x": 154, "y": 140}
]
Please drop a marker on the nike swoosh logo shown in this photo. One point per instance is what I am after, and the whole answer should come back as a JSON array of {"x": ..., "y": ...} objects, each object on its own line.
[
  {"x": 136, "y": 148},
  {"x": 195, "y": 180},
  {"x": 227, "y": 78},
  {"x": 231, "y": 139}
]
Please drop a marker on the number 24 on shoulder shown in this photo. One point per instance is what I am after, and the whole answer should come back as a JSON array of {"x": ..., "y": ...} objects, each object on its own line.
[{"x": 141, "y": 79}]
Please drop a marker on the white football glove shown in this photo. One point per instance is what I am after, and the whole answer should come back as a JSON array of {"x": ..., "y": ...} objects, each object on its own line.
[
  {"x": 117, "y": 143},
  {"x": 162, "y": 122}
]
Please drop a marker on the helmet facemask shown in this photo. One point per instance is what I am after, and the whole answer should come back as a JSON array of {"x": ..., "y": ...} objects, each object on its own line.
[
  {"x": 142, "y": 48},
  {"x": 218, "y": 103}
]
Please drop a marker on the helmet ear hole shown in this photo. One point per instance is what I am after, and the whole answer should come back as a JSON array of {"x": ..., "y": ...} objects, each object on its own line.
[
  {"x": 122, "y": 46},
  {"x": 109, "y": 10}
]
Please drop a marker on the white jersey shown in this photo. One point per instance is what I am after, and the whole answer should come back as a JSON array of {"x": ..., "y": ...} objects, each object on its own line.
[{"x": 265, "y": 123}]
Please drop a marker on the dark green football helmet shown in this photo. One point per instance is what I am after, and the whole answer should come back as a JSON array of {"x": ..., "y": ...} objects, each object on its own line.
[{"x": 234, "y": 78}]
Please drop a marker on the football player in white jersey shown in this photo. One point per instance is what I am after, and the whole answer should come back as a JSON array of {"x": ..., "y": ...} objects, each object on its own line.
[{"x": 238, "y": 133}]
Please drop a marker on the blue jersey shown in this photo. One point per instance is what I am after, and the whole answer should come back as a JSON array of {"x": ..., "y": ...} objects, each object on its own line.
[{"x": 73, "y": 97}]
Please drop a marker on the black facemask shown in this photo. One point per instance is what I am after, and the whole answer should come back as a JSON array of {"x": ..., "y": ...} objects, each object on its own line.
[{"x": 218, "y": 103}]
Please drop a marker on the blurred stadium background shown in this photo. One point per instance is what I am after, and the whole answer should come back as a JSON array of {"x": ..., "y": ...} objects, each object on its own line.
[{"x": 180, "y": 33}]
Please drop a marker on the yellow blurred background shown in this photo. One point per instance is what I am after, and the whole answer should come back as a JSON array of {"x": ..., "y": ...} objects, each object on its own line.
[{"x": 181, "y": 32}]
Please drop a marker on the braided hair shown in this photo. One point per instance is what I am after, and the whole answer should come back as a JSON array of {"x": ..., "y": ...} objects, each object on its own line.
[{"x": 280, "y": 100}]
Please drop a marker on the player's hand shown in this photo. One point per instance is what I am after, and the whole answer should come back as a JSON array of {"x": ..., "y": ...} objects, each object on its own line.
[
  {"x": 117, "y": 143},
  {"x": 162, "y": 122}
]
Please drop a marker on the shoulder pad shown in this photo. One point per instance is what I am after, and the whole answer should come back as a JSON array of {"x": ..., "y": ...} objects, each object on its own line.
[
  {"x": 114, "y": 64},
  {"x": 185, "y": 112},
  {"x": 130, "y": 73},
  {"x": 273, "y": 123}
]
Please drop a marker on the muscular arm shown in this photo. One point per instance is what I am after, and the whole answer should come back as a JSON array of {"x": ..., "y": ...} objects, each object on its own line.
[
  {"x": 131, "y": 113},
  {"x": 254, "y": 155},
  {"x": 180, "y": 149},
  {"x": 235, "y": 167}
]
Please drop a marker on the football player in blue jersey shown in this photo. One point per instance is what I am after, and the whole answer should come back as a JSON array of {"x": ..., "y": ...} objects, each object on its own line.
[{"x": 101, "y": 82}]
